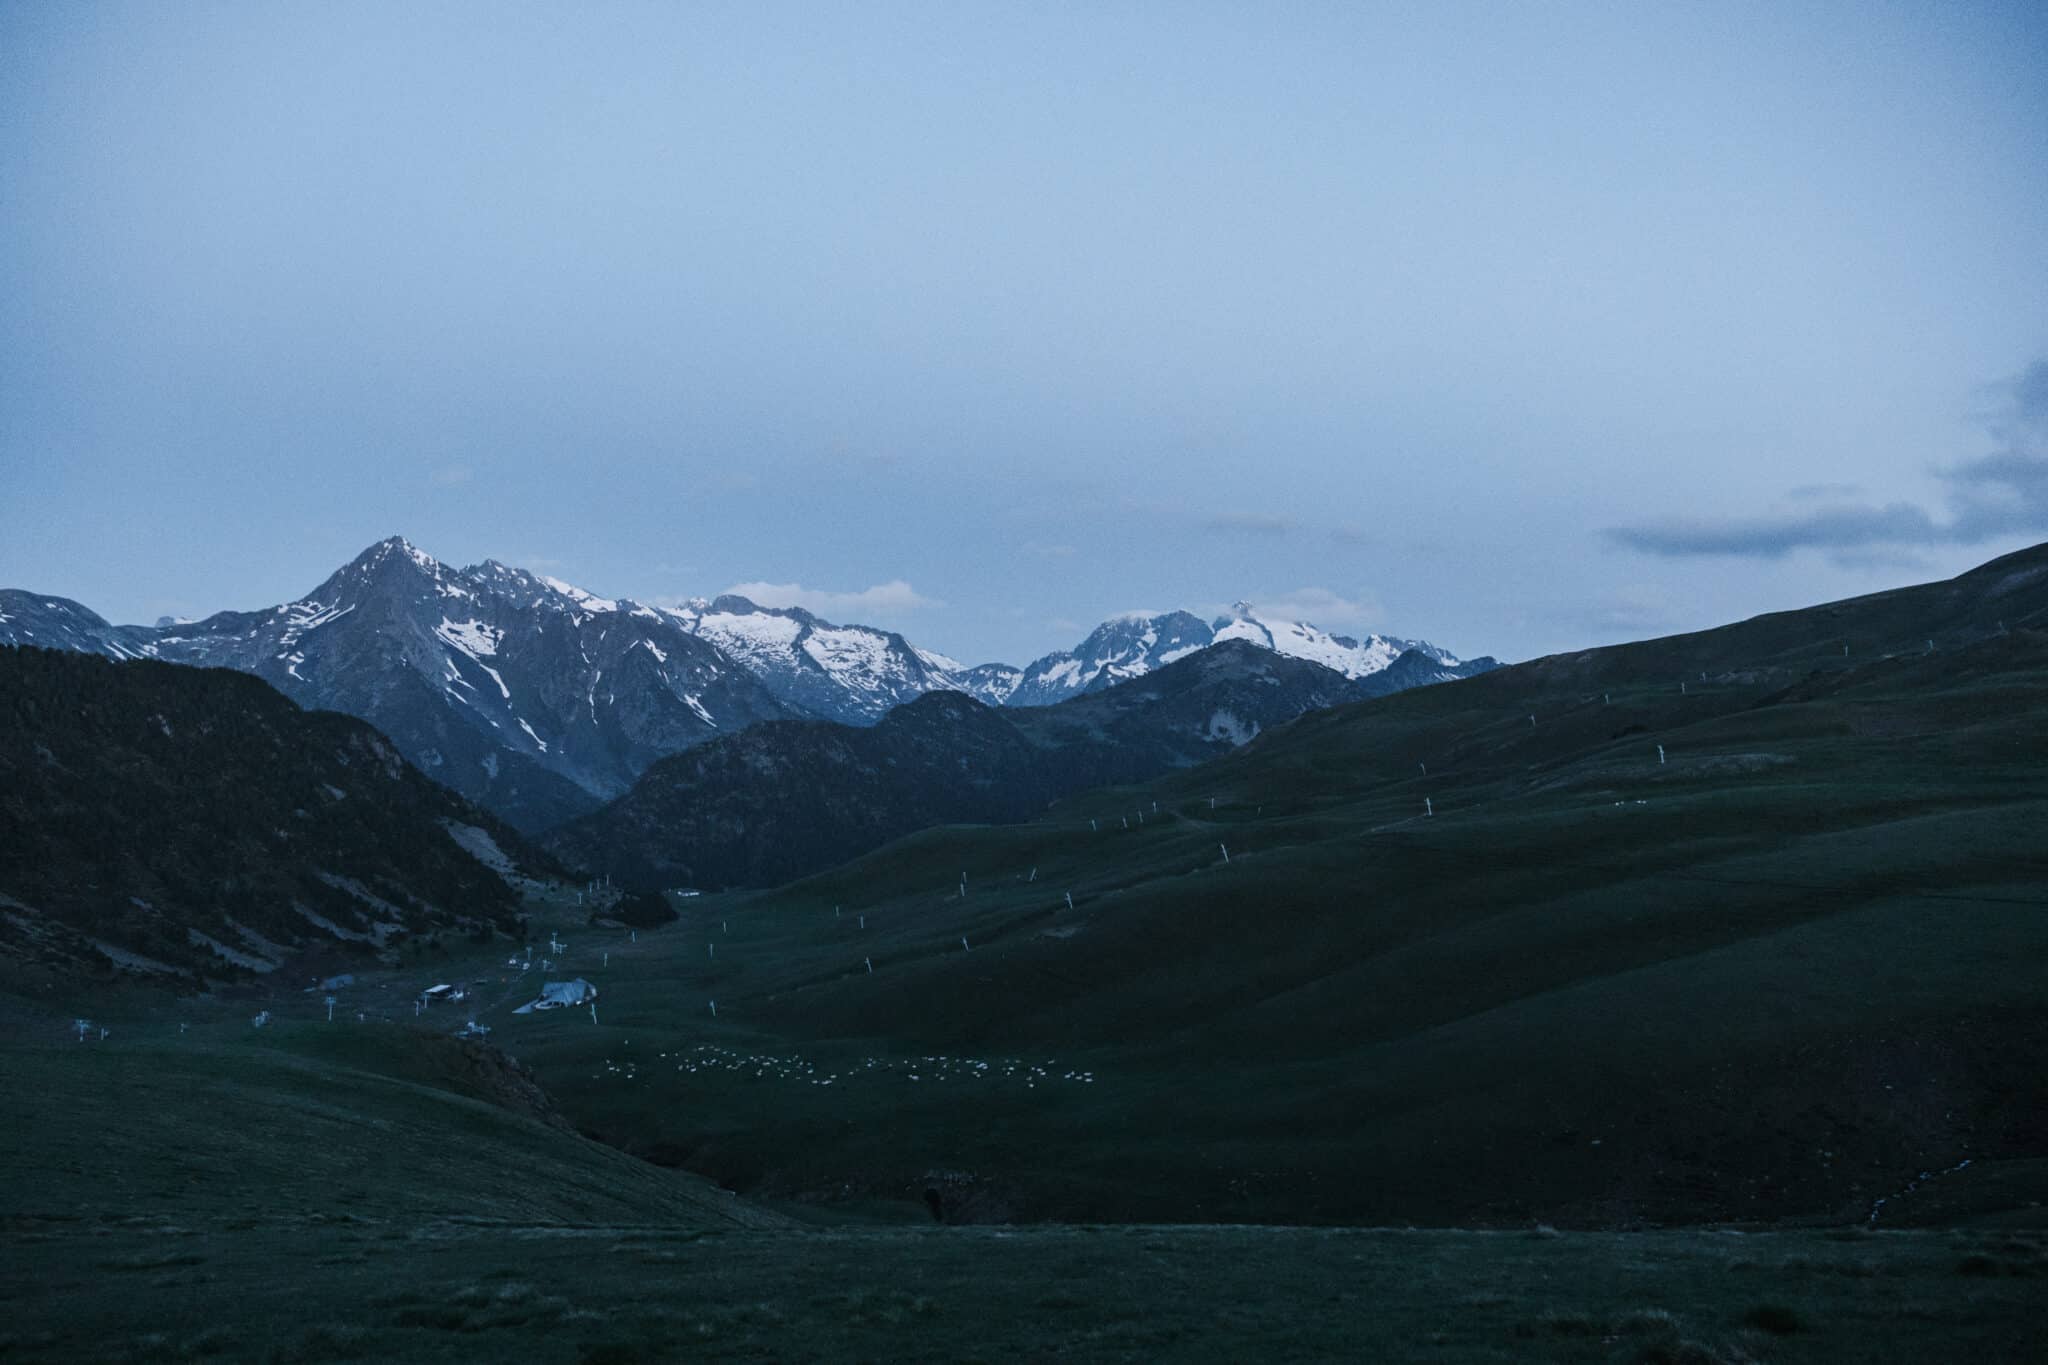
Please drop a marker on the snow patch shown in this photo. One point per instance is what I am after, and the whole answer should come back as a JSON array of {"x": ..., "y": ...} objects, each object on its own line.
[
  {"x": 590, "y": 602},
  {"x": 473, "y": 638}
]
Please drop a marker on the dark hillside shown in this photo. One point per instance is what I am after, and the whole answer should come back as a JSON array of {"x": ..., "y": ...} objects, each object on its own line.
[
  {"x": 788, "y": 798},
  {"x": 191, "y": 824},
  {"x": 1782, "y": 971}
]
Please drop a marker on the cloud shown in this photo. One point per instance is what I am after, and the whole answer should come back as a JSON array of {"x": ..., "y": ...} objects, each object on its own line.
[
  {"x": 2000, "y": 494},
  {"x": 1044, "y": 551},
  {"x": 1320, "y": 605},
  {"x": 451, "y": 476},
  {"x": 883, "y": 599},
  {"x": 1806, "y": 492},
  {"x": 1837, "y": 528},
  {"x": 1258, "y": 523}
]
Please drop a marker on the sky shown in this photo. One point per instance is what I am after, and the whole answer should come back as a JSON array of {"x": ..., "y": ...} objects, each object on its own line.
[{"x": 1515, "y": 328}]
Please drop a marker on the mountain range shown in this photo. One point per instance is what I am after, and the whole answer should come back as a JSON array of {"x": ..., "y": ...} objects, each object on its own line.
[
  {"x": 1740, "y": 925},
  {"x": 786, "y": 798},
  {"x": 1734, "y": 926},
  {"x": 541, "y": 701}
]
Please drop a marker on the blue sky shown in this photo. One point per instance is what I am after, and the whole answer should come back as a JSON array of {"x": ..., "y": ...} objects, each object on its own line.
[{"x": 1518, "y": 328}]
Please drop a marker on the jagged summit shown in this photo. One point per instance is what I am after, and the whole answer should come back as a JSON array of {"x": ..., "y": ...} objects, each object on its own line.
[
  {"x": 520, "y": 691},
  {"x": 848, "y": 673},
  {"x": 539, "y": 698},
  {"x": 1134, "y": 644}
]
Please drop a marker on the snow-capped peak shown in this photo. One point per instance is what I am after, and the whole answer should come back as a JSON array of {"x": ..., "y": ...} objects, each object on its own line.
[
  {"x": 588, "y": 601},
  {"x": 1354, "y": 658}
]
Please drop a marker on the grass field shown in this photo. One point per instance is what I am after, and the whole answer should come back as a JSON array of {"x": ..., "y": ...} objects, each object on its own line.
[
  {"x": 1779, "y": 974},
  {"x": 1756, "y": 1021},
  {"x": 374, "y": 1192},
  {"x": 148, "y": 1290}
]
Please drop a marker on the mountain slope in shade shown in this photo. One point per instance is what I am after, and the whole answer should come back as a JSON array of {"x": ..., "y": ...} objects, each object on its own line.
[
  {"x": 1415, "y": 668},
  {"x": 190, "y": 823},
  {"x": 541, "y": 700},
  {"x": 532, "y": 697},
  {"x": 1189, "y": 711},
  {"x": 789, "y": 798},
  {"x": 28, "y": 618}
]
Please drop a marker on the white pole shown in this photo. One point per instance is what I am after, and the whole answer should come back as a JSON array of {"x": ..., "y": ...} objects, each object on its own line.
[
  {"x": 1070, "y": 900},
  {"x": 1226, "y": 851},
  {"x": 863, "y": 921},
  {"x": 711, "y": 950},
  {"x": 330, "y": 1009},
  {"x": 1660, "y": 753},
  {"x": 1034, "y": 875},
  {"x": 1424, "y": 767},
  {"x": 1427, "y": 808},
  {"x": 1532, "y": 722},
  {"x": 607, "y": 957},
  {"x": 1091, "y": 826},
  {"x": 871, "y": 965},
  {"x": 593, "y": 1011},
  {"x": 963, "y": 944},
  {"x": 714, "y": 1009}
]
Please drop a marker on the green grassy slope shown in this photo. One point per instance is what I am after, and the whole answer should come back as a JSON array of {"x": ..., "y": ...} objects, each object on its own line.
[
  {"x": 150, "y": 1292},
  {"x": 1779, "y": 974},
  {"x": 298, "y": 1124}
]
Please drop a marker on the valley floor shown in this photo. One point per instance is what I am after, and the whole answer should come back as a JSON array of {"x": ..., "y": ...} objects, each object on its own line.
[{"x": 278, "y": 1290}]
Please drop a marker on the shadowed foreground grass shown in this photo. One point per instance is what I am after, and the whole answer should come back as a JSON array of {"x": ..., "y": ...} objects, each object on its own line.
[{"x": 147, "y": 1291}]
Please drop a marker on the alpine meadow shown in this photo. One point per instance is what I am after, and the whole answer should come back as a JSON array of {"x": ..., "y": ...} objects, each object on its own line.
[{"x": 1209, "y": 683}]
